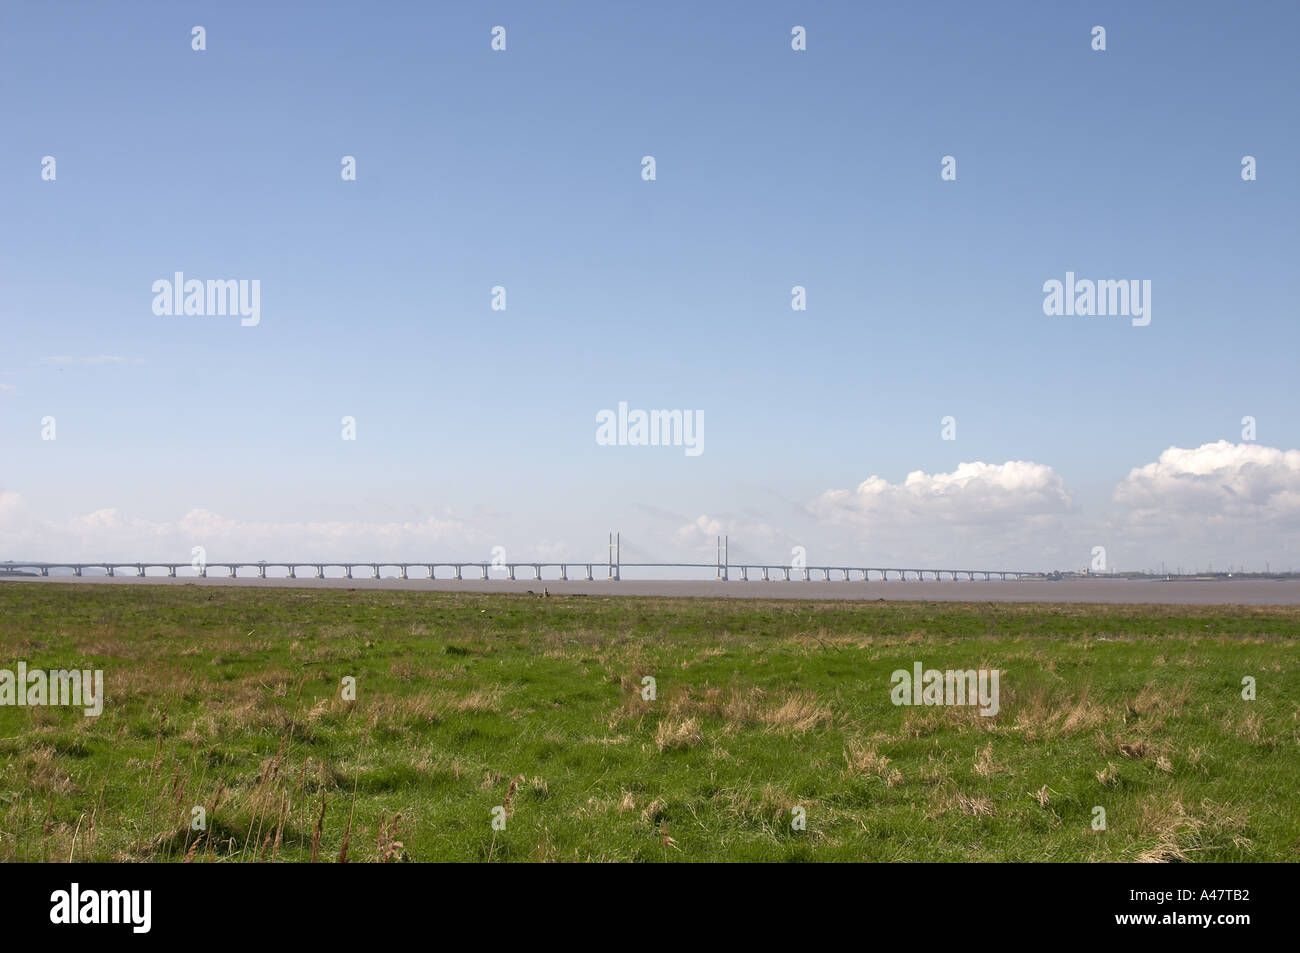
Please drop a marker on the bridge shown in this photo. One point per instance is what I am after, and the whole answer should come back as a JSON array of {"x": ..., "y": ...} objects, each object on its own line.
[{"x": 612, "y": 570}]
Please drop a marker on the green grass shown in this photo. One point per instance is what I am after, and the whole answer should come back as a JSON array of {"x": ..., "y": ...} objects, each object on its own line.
[{"x": 230, "y": 698}]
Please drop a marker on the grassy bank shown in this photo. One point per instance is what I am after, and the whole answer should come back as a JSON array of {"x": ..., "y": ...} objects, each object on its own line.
[{"x": 230, "y": 699}]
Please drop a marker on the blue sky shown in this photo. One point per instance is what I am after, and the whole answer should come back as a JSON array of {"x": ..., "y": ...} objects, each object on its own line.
[{"x": 522, "y": 168}]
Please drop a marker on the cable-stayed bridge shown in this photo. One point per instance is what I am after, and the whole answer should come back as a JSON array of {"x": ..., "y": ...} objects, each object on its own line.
[
  {"x": 744, "y": 572},
  {"x": 611, "y": 569}
]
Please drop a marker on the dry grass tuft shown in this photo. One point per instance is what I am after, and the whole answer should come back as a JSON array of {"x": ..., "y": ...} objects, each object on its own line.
[
  {"x": 974, "y": 806},
  {"x": 984, "y": 765},
  {"x": 865, "y": 760},
  {"x": 1108, "y": 776},
  {"x": 677, "y": 734},
  {"x": 798, "y": 715}
]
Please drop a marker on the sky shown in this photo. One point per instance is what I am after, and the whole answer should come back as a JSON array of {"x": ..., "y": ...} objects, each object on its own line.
[{"x": 523, "y": 169}]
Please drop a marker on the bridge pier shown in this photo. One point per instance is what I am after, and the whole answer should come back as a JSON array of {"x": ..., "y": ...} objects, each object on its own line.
[
  {"x": 401, "y": 571},
  {"x": 765, "y": 578},
  {"x": 293, "y": 572},
  {"x": 588, "y": 572},
  {"x": 320, "y": 572},
  {"x": 230, "y": 571},
  {"x": 744, "y": 574},
  {"x": 261, "y": 571},
  {"x": 510, "y": 571},
  {"x": 537, "y": 571},
  {"x": 564, "y": 572},
  {"x": 347, "y": 572},
  {"x": 485, "y": 569},
  {"x": 374, "y": 570},
  {"x": 76, "y": 570},
  {"x": 171, "y": 572}
]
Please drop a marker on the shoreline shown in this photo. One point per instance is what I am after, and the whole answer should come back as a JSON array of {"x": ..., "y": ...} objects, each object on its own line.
[{"x": 1100, "y": 591}]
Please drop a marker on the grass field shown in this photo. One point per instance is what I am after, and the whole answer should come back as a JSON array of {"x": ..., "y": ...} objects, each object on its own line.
[{"x": 230, "y": 698}]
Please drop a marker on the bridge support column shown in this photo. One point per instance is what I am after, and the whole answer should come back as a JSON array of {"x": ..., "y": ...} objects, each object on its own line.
[
  {"x": 45, "y": 570},
  {"x": 765, "y": 578},
  {"x": 171, "y": 572},
  {"x": 230, "y": 571},
  {"x": 139, "y": 570},
  {"x": 588, "y": 572},
  {"x": 347, "y": 572},
  {"x": 744, "y": 574},
  {"x": 510, "y": 571},
  {"x": 564, "y": 573},
  {"x": 806, "y": 576},
  {"x": 320, "y": 572},
  {"x": 537, "y": 571},
  {"x": 109, "y": 570},
  {"x": 293, "y": 572},
  {"x": 485, "y": 569},
  {"x": 401, "y": 571},
  {"x": 261, "y": 572},
  {"x": 77, "y": 571}
]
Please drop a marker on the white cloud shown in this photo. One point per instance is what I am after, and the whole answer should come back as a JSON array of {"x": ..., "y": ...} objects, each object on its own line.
[
  {"x": 110, "y": 534},
  {"x": 1000, "y": 515},
  {"x": 90, "y": 360},
  {"x": 1219, "y": 503},
  {"x": 973, "y": 494},
  {"x": 747, "y": 539},
  {"x": 1216, "y": 480}
]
